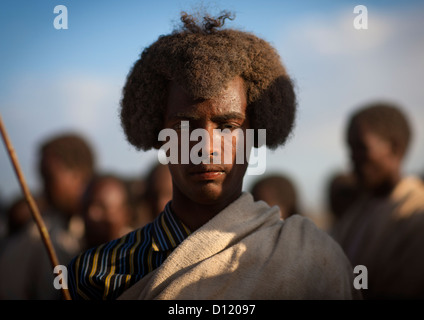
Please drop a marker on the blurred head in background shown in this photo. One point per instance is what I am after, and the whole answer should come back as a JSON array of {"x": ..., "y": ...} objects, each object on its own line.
[
  {"x": 378, "y": 137},
  {"x": 277, "y": 190},
  {"x": 159, "y": 188},
  {"x": 107, "y": 211},
  {"x": 66, "y": 167},
  {"x": 151, "y": 195}
]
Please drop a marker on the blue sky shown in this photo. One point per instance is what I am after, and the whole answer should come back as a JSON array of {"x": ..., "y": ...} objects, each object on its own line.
[{"x": 57, "y": 80}]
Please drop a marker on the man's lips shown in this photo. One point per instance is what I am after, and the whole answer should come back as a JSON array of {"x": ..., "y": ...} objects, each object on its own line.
[{"x": 206, "y": 172}]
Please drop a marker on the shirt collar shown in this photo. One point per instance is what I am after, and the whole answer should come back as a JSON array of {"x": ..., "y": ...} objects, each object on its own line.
[{"x": 168, "y": 231}]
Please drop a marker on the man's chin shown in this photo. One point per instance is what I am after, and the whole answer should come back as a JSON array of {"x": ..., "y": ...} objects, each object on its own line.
[
  {"x": 211, "y": 194},
  {"x": 208, "y": 194}
]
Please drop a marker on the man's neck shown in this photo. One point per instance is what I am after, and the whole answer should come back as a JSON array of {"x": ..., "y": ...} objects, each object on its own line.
[{"x": 195, "y": 215}]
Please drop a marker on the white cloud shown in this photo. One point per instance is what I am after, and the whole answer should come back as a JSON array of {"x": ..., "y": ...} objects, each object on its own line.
[{"x": 335, "y": 34}]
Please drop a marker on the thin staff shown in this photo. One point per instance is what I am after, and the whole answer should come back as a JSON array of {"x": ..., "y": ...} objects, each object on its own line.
[{"x": 30, "y": 200}]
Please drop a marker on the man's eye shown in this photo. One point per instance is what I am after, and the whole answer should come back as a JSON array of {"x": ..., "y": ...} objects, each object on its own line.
[
  {"x": 179, "y": 126},
  {"x": 229, "y": 126}
]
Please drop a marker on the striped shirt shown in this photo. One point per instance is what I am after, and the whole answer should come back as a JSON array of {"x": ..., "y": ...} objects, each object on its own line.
[{"x": 106, "y": 271}]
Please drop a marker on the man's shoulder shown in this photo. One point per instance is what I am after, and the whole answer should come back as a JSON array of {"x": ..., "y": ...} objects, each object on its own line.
[
  {"x": 88, "y": 272},
  {"x": 306, "y": 239},
  {"x": 127, "y": 242},
  {"x": 304, "y": 227},
  {"x": 410, "y": 196},
  {"x": 305, "y": 258}
]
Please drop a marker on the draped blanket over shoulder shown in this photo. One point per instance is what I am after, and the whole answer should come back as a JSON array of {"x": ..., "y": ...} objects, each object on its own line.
[
  {"x": 247, "y": 252},
  {"x": 386, "y": 234}
]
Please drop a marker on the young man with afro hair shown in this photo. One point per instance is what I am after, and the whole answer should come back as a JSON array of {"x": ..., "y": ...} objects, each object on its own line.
[
  {"x": 383, "y": 229},
  {"x": 212, "y": 241}
]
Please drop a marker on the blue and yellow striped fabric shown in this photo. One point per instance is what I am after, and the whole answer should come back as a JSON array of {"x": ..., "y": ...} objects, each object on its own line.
[{"x": 105, "y": 272}]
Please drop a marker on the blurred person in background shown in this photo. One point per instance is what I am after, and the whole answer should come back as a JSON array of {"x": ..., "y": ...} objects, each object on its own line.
[
  {"x": 159, "y": 188},
  {"x": 383, "y": 229},
  {"x": 66, "y": 164},
  {"x": 107, "y": 210},
  {"x": 18, "y": 214},
  {"x": 342, "y": 192},
  {"x": 277, "y": 190},
  {"x": 157, "y": 193},
  {"x": 3, "y": 219}
]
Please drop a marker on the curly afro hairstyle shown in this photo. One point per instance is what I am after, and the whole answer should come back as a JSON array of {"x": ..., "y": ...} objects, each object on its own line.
[
  {"x": 385, "y": 119},
  {"x": 202, "y": 58}
]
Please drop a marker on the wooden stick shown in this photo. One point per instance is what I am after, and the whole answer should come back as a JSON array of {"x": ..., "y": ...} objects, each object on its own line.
[{"x": 33, "y": 206}]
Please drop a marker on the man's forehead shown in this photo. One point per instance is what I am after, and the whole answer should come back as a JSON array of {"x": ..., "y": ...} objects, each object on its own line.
[{"x": 229, "y": 103}]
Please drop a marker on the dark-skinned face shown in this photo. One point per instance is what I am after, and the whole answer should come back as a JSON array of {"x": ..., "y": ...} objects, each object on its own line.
[
  {"x": 63, "y": 185},
  {"x": 106, "y": 213},
  {"x": 375, "y": 160},
  {"x": 208, "y": 183}
]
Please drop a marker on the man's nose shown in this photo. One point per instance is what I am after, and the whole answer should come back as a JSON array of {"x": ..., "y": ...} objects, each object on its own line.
[
  {"x": 213, "y": 143},
  {"x": 210, "y": 148}
]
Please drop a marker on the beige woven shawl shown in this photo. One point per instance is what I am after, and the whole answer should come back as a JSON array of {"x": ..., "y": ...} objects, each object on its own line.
[{"x": 247, "y": 252}]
